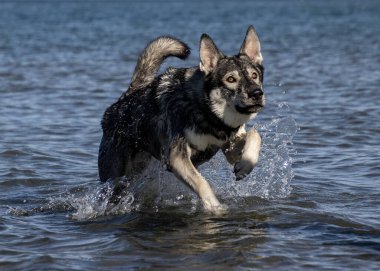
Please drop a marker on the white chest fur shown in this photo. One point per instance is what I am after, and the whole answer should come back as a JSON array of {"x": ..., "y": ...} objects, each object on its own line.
[{"x": 202, "y": 141}]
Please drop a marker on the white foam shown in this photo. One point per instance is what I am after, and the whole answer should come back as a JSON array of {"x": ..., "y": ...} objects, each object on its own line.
[{"x": 95, "y": 204}]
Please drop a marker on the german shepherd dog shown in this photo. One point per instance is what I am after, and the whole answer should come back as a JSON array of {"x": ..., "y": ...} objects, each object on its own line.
[{"x": 185, "y": 115}]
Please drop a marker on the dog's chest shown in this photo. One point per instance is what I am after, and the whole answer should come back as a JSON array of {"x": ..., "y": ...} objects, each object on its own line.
[{"x": 201, "y": 141}]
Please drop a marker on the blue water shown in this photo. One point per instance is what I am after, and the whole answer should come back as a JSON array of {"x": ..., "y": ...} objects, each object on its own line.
[{"x": 312, "y": 202}]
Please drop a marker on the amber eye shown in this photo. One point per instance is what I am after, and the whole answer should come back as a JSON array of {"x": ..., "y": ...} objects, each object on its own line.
[
  {"x": 231, "y": 79},
  {"x": 254, "y": 75}
]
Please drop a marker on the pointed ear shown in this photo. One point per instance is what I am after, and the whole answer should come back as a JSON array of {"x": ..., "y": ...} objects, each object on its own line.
[
  {"x": 209, "y": 54},
  {"x": 251, "y": 46}
]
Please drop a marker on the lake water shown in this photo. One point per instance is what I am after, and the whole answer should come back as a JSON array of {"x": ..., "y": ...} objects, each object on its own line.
[{"x": 312, "y": 202}]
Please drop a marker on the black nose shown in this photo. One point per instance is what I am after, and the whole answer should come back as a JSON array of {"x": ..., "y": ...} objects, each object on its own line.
[{"x": 256, "y": 93}]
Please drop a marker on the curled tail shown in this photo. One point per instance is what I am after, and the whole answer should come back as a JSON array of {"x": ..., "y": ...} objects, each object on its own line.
[{"x": 152, "y": 57}]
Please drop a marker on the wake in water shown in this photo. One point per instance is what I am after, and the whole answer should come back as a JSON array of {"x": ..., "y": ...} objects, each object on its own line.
[{"x": 156, "y": 189}]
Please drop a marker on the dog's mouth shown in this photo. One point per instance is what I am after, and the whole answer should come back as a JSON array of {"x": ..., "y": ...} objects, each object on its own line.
[{"x": 248, "y": 109}]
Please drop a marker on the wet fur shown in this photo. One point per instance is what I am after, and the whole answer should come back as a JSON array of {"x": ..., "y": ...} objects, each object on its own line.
[{"x": 174, "y": 118}]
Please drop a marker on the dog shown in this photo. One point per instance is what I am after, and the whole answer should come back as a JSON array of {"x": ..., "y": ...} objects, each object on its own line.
[{"x": 184, "y": 116}]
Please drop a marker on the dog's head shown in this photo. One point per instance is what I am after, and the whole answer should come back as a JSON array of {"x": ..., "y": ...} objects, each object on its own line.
[{"x": 234, "y": 85}]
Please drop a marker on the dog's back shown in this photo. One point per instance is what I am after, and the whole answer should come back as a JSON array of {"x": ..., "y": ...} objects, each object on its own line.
[{"x": 124, "y": 126}]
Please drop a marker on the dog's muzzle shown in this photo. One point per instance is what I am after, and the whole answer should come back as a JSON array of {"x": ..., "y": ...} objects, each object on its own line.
[
  {"x": 253, "y": 104},
  {"x": 255, "y": 94},
  {"x": 248, "y": 109}
]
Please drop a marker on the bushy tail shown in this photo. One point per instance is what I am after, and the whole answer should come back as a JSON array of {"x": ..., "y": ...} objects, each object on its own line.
[{"x": 152, "y": 57}]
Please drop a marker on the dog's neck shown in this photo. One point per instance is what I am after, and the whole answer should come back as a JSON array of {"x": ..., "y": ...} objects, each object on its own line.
[
  {"x": 214, "y": 124},
  {"x": 225, "y": 116},
  {"x": 220, "y": 128}
]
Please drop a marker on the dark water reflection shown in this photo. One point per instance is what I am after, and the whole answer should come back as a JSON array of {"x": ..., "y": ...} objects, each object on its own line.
[{"x": 312, "y": 202}]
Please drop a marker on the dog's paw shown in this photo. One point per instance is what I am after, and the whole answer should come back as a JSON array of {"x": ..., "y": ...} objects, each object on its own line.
[
  {"x": 220, "y": 209},
  {"x": 243, "y": 168},
  {"x": 250, "y": 155},
  {"x": 214, "y": 207}
]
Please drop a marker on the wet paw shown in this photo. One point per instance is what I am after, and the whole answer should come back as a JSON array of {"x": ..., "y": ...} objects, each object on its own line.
[
  {"x": 220, "y": 209},
  {"x": 215, "y": 207},
  {"x": 243, "y": 168}
]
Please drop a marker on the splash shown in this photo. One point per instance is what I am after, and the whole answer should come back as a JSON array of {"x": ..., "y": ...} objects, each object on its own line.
[
  {"x": 83, "y": 203},
  {"x": 157, "y": 189},
  {"x": 97, "y": 203},
  {"x": 270, "y": 179}
]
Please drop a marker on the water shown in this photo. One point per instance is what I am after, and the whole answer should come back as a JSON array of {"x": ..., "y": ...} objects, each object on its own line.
[{"x": 313, "y": 200}]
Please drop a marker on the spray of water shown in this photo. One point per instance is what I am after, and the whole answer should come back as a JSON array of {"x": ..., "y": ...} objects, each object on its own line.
[
  {"x": 157, "y": 189},
  {"x": 96, "y": 203}
]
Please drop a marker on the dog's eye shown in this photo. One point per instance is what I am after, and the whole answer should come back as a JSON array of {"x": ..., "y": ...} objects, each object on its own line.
[
  {"x": 254, "y": 75},
  {"x": 231, "y": 79}
]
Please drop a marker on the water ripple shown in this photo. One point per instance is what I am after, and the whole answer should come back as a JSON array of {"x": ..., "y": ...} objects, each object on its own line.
[{"x": 312, "y": 201}]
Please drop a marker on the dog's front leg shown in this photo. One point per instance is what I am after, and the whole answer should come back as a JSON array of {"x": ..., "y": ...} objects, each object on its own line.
[
  {"x": 180, "y": 164},
  {"x": 243, "y": 152}
]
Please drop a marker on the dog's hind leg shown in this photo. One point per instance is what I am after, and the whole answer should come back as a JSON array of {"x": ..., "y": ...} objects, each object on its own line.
[
  {"x": 138, "y": 163},
  {"x": 119, "y": 166},
  {"x": 111, "y": 163},
  {"x": 180, "y": 164}
]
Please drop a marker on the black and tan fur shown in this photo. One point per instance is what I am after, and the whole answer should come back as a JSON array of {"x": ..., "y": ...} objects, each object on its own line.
[{"x": 184, "y": 116}]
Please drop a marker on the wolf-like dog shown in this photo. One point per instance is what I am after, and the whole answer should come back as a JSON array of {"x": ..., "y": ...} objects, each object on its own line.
[{"x": 185, "y": 115}]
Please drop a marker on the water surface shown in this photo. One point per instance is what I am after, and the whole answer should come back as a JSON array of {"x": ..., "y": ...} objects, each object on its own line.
[{"x": 313, "y": 200}]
